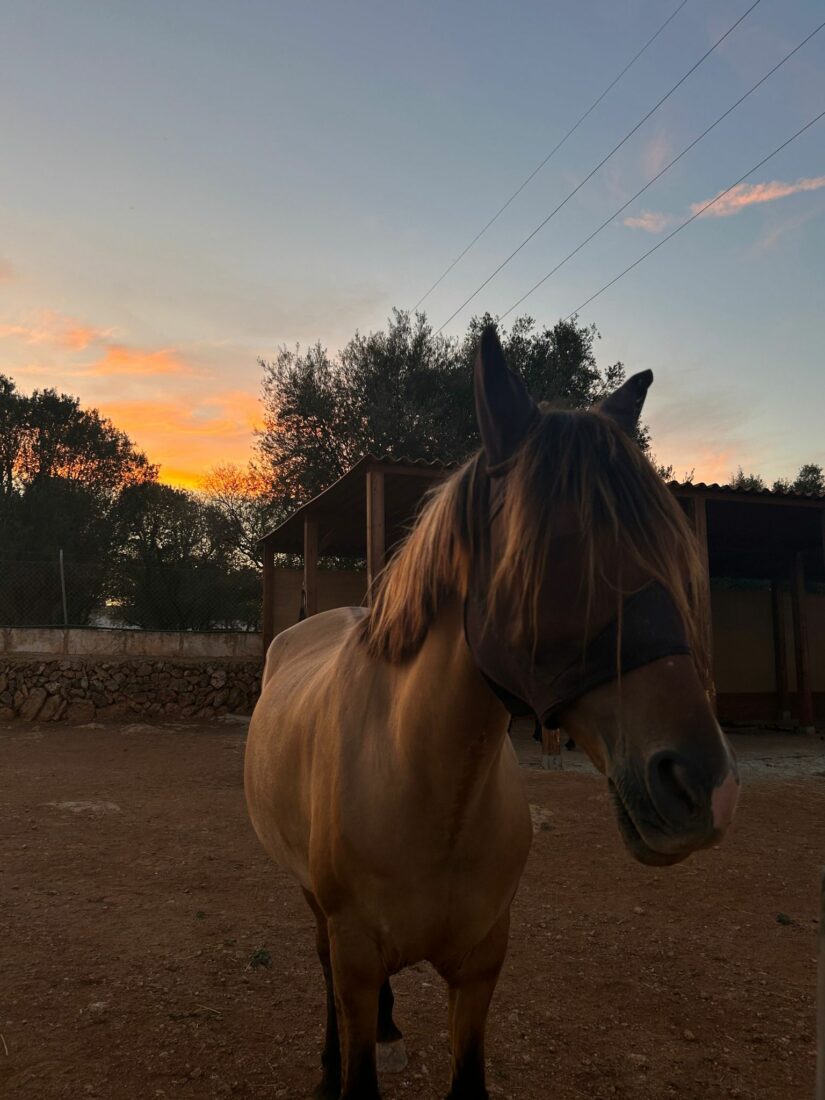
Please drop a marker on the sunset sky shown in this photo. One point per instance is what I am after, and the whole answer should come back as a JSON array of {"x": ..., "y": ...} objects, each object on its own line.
[{"x": 185, "y": 186}]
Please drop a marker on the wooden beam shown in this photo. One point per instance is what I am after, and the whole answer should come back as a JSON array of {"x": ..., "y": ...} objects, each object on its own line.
[
  {"x": 804, "y": 694},
  {"x": 700, "y": 528},
  {"x": 780, "y": 649},
  {"x": 376, "y": 528},
  {"x": 310, "y": 566},
  {"x": 268, "y": 622},
  {"x": 414, "y": 471}
]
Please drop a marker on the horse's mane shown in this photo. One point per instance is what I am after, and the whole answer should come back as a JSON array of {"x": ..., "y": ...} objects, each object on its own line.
[{"x": 579, "y": 462}]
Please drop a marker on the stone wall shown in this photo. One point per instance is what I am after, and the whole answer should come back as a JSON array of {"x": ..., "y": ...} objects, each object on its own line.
[
  {"x": 83, "y": 688},
  {"x": 53, "y": 641}
]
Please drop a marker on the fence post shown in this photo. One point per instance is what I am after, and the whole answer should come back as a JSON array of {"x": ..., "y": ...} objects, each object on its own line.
[
  {"x": 820, "y": 995},
  {"x": 63, "y": 591}
]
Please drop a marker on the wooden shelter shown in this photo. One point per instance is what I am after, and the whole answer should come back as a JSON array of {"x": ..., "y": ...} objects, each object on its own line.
[
  {"x": 775, "y": 541},
  {"x": 361, "y": 515}
]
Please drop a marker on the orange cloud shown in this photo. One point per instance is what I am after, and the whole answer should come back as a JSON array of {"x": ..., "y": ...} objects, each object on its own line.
[
  {"x": 119, "y": 359},
  {"x": 749, "y": 194},
  {"x": 739, "y": 198},
  {"x": 49, "y": 327},
  {"x": 188, "y": 438},
  {"x": 243, "y": 407},
  {"x": 649, "y": 220},
  {"x": 6, "y": 271}
]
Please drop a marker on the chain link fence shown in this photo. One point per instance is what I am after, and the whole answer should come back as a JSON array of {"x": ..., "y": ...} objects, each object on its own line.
[{"x": 156, "y": 596}]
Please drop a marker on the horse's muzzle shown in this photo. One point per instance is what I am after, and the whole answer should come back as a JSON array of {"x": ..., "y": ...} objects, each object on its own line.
[{"x": 678, "y": 808}]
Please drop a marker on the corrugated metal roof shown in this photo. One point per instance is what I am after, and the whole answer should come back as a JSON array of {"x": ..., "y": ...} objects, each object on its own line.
[
  {"x": 342, "y": 506},
  {"x": 715, "y": 487}
]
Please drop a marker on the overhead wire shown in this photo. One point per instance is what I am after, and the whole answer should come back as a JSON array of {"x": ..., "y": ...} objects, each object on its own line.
[
  {"x": 551, "y": 154},
  {"x": 602, "y": 162},
  {"x": 697, "y": 214},
  {"x": 662, "y": 172}
]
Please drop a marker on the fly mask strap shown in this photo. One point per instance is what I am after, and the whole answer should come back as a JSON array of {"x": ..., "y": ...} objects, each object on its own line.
[{"x": 650, "y": 628}]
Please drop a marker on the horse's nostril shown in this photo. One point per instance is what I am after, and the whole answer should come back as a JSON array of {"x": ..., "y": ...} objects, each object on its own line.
[{"x": 670, "y": 786}]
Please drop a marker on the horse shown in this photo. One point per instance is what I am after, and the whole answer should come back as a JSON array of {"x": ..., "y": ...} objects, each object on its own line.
[{"x": 552, "y": 574}]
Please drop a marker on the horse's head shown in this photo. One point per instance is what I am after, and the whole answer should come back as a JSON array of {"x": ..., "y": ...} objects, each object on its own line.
[{"x": 585, "y": 605}]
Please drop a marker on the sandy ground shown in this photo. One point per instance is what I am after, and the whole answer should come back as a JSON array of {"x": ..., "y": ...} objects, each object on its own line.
[{"x": 135, "y": 902}]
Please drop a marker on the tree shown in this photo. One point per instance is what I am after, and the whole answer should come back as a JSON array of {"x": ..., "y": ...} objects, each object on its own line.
[
  {"x": 405, "y": 392},
  {"x": 175, "y": 569},
  {"x": 240, "y": 496},
  {"x": 741, "y": 480},
  {"x": 62, "y": 469},
  {"x": 13, "y": 419},
  {"x": 58, "y": 438},
  {"x": 810, "y": 479}
]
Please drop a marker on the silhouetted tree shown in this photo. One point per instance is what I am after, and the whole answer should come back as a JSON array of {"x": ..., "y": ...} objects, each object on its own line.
[
  {"x": 62, "y": 469},
  {"x": 175, "y": 569},
  {"x": 240, "y": 496},
  {"x": 810, "y": 479},
  {"x": 405, "y": 392},
  {"x": 741, "y": 480}
]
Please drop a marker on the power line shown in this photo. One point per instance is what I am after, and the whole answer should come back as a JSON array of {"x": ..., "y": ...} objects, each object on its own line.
[
  {"x": 602, "y": 162},
  {"x": 666, "y": 168},
  {"x": 552, "y": 153},
  {"x": 697, "y": 214}
]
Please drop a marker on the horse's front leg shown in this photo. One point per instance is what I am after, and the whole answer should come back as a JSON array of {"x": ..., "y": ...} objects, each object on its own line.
[
  {"x": 471, "y": 989},
  {"x": 358, "y": 975}
]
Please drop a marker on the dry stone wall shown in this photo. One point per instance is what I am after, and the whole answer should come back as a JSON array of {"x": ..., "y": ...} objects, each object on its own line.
[{"x": 85, "y": 687}]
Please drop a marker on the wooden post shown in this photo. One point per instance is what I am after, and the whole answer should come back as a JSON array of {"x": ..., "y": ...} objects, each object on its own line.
[
  {"x": 804, "y": 695},
  {"x": 780, "y": 651},
  {"x": 311, "y": 566},
  {"x": 820, "y": 995},
  {"x": 376, "y": 528},
  {"x": 269, "y": 597},
  {"x": 551, "y": 758},
  {"x": 700, "y": 529}
]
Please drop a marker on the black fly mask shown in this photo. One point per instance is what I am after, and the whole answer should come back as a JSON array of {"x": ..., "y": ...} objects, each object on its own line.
[{"x": 648, "y": 625}]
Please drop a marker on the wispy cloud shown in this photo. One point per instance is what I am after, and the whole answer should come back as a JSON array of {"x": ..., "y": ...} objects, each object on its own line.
[
  {"x": 652, "y": 221},
  {"x": 6, "y": 271},
  {"x": 48, "y": 327},
  {"x": 656, "y": 153},
  {"x": 118, "y": 359},
  {"x": 771, "y": 237},
  {"x": 751, "y": 194},
  {"x": 737, "y": 199}
]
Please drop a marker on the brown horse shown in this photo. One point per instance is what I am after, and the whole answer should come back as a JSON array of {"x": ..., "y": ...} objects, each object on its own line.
[{"x": 553, "y": 574}]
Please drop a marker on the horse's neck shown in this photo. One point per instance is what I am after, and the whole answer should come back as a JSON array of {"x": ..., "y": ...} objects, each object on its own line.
[{"x": 442, "y": 704}]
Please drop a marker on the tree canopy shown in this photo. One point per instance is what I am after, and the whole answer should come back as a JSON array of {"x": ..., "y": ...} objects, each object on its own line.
[
  {"x": 145, "y": 553},
  {"x": 405, "y": 392},
  {"x": 809, "y": 479}
]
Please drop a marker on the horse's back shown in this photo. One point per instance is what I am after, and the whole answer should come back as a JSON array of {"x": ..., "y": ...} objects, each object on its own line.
[
  {"x": 312, "y": 641},
  {"x": 283, "y": 740}
]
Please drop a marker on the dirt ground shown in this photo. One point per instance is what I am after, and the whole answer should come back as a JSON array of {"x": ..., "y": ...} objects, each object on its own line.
[{"x": 134, "y": 902}]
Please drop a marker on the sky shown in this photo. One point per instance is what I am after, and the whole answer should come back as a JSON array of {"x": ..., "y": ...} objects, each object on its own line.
[{"x": 186, "y": 186}]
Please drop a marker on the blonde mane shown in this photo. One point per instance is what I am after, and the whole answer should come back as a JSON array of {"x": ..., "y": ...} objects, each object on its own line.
[{"x": 572, "y": 461}]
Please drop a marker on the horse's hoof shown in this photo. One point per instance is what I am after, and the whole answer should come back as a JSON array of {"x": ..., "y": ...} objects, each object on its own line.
[{"x": 391, "y": 1057}]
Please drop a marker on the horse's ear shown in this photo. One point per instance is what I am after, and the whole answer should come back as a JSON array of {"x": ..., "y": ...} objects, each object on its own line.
[
  {"x": 624, "y": 405},
  {"x": 505, "y": 410}
]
